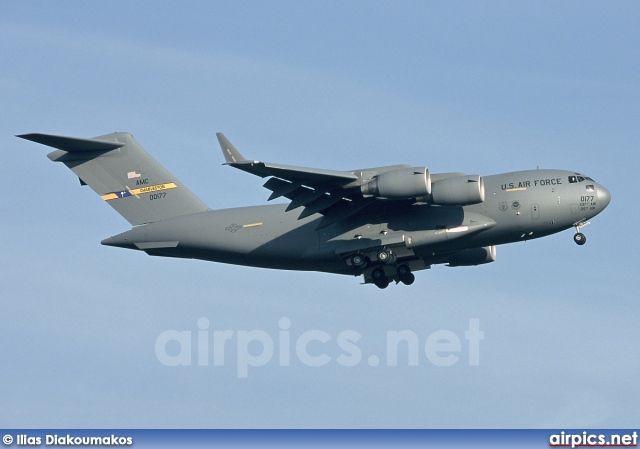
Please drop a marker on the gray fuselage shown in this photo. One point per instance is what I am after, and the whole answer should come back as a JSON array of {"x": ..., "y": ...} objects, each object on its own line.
[{"x": 518, "y": 206}]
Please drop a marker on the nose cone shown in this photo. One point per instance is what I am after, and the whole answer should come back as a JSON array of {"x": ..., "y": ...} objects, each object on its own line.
[{"x": 604, "y": 197}]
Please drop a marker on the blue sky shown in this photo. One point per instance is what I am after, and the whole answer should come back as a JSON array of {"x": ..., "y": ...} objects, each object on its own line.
[{"x": 484, "y": 87}]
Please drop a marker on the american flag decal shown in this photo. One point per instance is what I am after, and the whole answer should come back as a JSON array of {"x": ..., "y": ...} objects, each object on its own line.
[{"x": 133, "y": 174}]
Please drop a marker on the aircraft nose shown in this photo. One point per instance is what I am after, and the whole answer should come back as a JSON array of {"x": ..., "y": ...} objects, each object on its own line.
[{"x": 604, "y": 197}]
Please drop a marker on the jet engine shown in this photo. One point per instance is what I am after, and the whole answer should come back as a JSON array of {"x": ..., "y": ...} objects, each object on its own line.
[
  {"x": 473, "y": 256},
  {"x": 400, "y": 184},
  {"x": 458, "y": 191},
  {"x": 415, "y": 182}
]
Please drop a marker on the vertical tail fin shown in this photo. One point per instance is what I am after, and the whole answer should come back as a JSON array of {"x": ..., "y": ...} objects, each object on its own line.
[{"x": 118, "y": 169}]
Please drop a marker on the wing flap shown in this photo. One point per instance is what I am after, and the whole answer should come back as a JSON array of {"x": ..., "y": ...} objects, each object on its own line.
[
  {"x": 342, "y": 210},
  {"x": 314, "y": 201},
  {"x": 304, "y": 198},
  {"x": 320, "y": 205},
  {"x": 280, "y": 187}
]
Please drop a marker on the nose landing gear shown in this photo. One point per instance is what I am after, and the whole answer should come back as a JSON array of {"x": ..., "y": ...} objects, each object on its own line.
[{"x": 579, "y": 237}]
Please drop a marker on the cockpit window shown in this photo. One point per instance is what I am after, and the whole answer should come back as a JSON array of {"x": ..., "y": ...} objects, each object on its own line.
[{"x": 579, "y": 178}]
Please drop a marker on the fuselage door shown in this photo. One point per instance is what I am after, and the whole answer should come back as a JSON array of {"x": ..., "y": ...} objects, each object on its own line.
[{"x": 535, "y": 211}]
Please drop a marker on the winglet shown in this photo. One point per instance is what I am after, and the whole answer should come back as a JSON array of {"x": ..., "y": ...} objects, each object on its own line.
[{"x": 231, "y": 155}]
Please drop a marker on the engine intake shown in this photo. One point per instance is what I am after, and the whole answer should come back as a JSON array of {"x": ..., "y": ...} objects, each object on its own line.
[
  {"x": 458, "y": 191},
  {"x": 400, "y": 184}
]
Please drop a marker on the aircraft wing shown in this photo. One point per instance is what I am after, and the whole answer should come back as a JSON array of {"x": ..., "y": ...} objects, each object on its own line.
[
  {"x": 332, "y": 193},
  {"x": 294, "y": 174}
]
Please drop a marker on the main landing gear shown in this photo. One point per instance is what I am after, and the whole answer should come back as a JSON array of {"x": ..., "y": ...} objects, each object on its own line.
[
  {"x": 383, "y": 266},
  {"x": 579, "y": 237},
  {"x": 387, "y": 257},
  {"x": 380, "y": 278},
  {"x": 359, "y": 261},
  {"x": 403, "y": 272}
]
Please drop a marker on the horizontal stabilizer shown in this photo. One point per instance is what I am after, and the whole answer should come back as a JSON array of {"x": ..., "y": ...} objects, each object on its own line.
[{"x": 71, "y": 144}]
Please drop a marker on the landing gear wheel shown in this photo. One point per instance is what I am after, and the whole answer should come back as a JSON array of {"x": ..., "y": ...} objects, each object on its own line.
[
  {"x": 359, "y": 261},
  {"x": 580, "y": 238},
  {"x": 383, "y": 256},
  {"x": 405, "y": 274},
  {"x": 383, "y": 283},
  {"x": 387, "y": 257},
  {"x": 403, "y": 270},
  {"x": 378, "y": 275},
  {"x": 408, "y": 279},
  {"x": 379, "y": 278}
]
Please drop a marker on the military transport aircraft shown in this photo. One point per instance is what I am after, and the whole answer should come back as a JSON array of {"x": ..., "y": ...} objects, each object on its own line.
[{"x": 383, "y": 223}]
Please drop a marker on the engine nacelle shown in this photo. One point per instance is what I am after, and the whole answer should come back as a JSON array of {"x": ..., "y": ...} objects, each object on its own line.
[
  {"x": 458, "y": 191},
  {"x": 400, "y": 184},
  {"x": 473, "y": 256}
]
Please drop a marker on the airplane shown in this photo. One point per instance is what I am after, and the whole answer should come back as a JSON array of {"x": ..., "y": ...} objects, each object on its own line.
[{"x": 382, "y": 223}]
